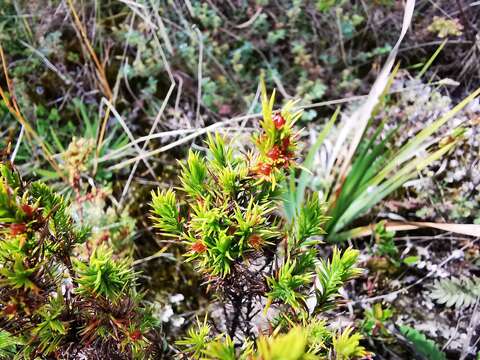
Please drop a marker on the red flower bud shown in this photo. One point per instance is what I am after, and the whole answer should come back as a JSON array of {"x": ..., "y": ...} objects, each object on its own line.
[
  {"x": 264, "y": 169},
  {"x": 198, "y": 247},
  {"x": 17, "y": 229},
  {"x": 278, "y": 120},
  {"x": 27, "y": 209},
  {"x": 105, "y": 236},
  {"x": 10, "y": 309},
  {"x": 255, "y": 241},
  {"x": 274, "y": 153},
  {"x": 285, "y": 143},
  {"x": 135, "y": 334}
]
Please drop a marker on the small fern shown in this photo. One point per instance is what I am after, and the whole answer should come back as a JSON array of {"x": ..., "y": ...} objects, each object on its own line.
[
  {"x": 423, "y": 346},
  {"x": 458, "y": 292}
]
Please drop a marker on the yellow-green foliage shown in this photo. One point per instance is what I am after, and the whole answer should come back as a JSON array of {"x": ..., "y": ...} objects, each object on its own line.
[
  {"x": 231, "y": 197},
  {"x": 313, "y": 341},
  {"x": 232, "y": 213},
  {"x": 53, "y": 303}
]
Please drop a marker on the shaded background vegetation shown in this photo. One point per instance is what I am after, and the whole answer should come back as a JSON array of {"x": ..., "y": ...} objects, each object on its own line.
[{"x": 64, "y": 57}]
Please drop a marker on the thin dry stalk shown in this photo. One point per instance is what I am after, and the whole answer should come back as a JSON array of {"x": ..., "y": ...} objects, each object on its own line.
[
  {"x": 99, "y": 66},
  {"x": 359, "y": 118},
  {"x": 14, "y": 109}
]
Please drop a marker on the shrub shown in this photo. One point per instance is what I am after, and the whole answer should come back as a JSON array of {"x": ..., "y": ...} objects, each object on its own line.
[
  {"x": 53, "y": 303},
  {"x": 232, "y": 227}
]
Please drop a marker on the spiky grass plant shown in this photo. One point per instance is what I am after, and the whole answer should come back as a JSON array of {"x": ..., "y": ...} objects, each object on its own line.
[
  {"x": 372, "y": 169},
  {"x": 51, "y": 303},
  {"x": 234, "y": 232}
]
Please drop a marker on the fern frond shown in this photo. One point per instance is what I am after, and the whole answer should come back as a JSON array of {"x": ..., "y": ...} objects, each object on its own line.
[
  {"x": 423, "y": 346},
  {"x": 458, "y": 292}
]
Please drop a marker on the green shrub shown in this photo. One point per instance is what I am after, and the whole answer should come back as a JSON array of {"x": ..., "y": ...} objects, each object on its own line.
[
  {"x": 231, "y": 222},
  {"x": 53, "y": 301}
]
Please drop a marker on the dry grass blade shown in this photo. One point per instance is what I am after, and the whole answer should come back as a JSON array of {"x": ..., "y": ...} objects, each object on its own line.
[
  {"x": 128, "y": 132},
  {"x": 163, "y": 106},
  {"x": 14, "y": 109},
  {"x": 250, "y": 21},
  {"x": 157, "y": 119},
  {"x": 162, "y": 29},
  {"x": 199, "y": 75},
  {"x": 99, "y": 66},
  {"x": 361, "y": 116},
  {"x": 65, "y": 78},
  {"x": 197, "y": 133},
  {"x": 17, "y": 145},
  {"x": 102, "y": 77},
  {"x": 463, "y": 229}
]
